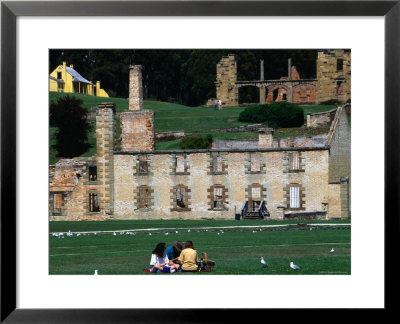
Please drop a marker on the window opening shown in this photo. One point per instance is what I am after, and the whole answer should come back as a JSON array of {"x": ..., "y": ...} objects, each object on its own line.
[{"x": 93, "y": 203}]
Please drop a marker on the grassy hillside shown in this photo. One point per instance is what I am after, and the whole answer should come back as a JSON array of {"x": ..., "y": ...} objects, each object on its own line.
[{"x": 172, "y": 117}]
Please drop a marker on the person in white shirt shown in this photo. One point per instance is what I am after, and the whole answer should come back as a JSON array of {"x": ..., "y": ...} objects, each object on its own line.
[{"x": 159, "y": 260}]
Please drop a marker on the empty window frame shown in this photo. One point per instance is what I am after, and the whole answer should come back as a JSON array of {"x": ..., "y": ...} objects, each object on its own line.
[
  {"x": 180, "y": 164},
  {"x": 57, "y": 203},
  {"x": 92, "y": 173},
  {"x": 255, "y": 165},
  {"x": 294, "y": 197},
  {"x": 181, "y": 198},
  {"x": 218, "y": 198},
  {"x": 339, "y": 65},
  {"x": 143, "y": 164},
  {"x": 217, "y": 163},
  {"x": 59, "y": 75},
  {"x": 93, "y": 203},
  {"x": 339, "y": 87},
  {"x": 144, "y": 197},
  {"x": 294, "y": 161}
]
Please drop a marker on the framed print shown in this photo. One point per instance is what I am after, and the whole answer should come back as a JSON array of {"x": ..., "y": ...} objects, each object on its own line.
[{"x": 31, "y": 289}]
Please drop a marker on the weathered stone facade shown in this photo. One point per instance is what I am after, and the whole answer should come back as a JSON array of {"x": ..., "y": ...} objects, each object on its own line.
[
  {"x": 226, "y": 88},
  {"x": 333, "y": 75},
  {"x": 141, "y": 183}
]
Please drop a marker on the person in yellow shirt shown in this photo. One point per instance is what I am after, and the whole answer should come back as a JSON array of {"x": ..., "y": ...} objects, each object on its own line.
[{"x": 188, "y": 258}]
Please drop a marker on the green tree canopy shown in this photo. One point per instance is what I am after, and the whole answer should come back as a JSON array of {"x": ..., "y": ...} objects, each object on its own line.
[{"x": 73, "y": 126}]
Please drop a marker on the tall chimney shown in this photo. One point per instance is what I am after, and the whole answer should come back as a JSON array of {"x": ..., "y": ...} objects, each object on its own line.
[
  {"x": 289, "y": 69},
  {"x": 135, "y": 88}
]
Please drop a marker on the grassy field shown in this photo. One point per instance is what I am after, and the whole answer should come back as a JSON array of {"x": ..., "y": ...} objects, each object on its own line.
[
  {"x": 173, "y": 117},
  {"x": 235, "y": 246}
]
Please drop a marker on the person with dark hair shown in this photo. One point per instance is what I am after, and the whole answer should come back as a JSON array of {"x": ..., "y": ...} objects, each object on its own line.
[
  {"x": 188, "y": 258},
  {"x": 160, "y": 261},
  {"x": 173, "y": 251}
]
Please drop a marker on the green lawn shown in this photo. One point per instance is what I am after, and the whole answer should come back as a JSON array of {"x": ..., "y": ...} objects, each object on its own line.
[
  {"x": 236, "y": 250},
  {"x": 173, "y": 117}
]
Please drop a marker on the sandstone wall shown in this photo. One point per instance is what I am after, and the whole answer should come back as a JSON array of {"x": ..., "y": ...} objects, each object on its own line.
[
  {"x": 137, "y": 130},
  {"x": 226, "y": 88},
  {"x": 320, "y": 119},
  {"x": 339, "y": 140},
  {"x": 274, "y": 177},
  {"x": 334, "y": 75}
]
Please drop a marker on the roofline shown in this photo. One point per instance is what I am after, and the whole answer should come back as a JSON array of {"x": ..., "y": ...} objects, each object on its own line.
[{"x": 272, "y": 149}]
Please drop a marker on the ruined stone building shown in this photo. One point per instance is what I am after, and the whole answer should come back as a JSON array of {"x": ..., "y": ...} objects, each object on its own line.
[
  {"x": 276, "y": 179},
  {"x": 333, "y": 81}
]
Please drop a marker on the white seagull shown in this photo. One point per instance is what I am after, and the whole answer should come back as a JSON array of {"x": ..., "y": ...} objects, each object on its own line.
[
  {"x": 331, "y": 251},
  {"x": 293, "y": 266},
  {"x": 96, "y": 272},
  {"x": 265, "y": 264}
]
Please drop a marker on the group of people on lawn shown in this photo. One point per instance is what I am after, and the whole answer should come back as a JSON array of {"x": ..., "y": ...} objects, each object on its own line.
[{"x": 174, "y": 258}]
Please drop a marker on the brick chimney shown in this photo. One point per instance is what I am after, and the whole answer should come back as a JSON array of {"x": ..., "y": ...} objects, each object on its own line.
[{"x": 265, "y": 137}]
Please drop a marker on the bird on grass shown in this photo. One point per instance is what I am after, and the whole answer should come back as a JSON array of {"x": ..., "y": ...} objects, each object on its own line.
[
  {"x": 96, "y": 272},
  {"x": 293, "y": 266},
  {"x": 264, "y": 263},
  {"x": 331, "y": 251}
]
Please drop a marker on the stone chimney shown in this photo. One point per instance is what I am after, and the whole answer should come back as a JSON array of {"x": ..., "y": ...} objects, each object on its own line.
[
  {"x": 135, "y": 87},
  {"x": 265, "y": 137},
  {"x": 71, "y": 66},
  {"x": 64, "y": 65},
  {"x": 137, "y": 124},
  {"x": 289, "y": 69}
]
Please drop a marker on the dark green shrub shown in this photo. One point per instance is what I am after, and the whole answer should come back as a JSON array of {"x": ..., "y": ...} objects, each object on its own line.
[
  {"x": 196, "y": 142},
  {"x": 276, "y": 114}
]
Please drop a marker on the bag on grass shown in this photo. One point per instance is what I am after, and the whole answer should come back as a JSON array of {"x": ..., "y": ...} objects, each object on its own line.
[{"x": 208, "y": 264}]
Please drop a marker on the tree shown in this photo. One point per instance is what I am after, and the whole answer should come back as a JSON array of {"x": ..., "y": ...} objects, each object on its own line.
[{"x": 73, "y": 126}]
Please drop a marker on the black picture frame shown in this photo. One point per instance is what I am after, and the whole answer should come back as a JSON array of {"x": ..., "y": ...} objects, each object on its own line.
[{"x": 10, "y": 10}]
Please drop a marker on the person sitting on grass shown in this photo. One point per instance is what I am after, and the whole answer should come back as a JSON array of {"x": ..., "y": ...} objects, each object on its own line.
[
  {"x": 173, "y": 251},
  {"x": 188, "y": 258},
  {"x": 160, "y": 261}
]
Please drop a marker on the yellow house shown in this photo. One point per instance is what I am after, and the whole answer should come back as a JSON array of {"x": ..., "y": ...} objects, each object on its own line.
[{"x": 65, "y": 79}]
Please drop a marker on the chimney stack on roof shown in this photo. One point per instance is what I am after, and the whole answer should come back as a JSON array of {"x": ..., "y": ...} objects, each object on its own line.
[{"x": 265, "y": 137}]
